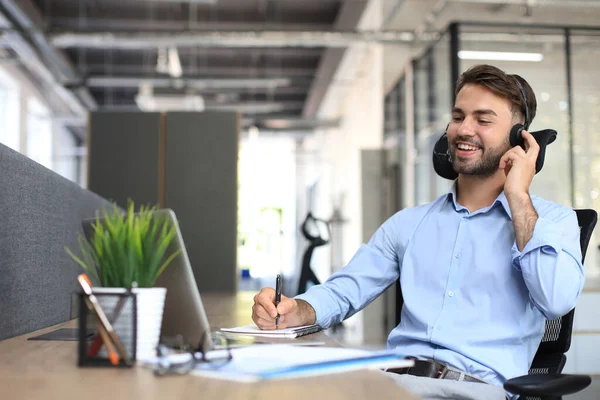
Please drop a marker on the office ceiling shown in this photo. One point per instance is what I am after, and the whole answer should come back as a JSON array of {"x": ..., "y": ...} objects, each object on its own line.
[
  {"x": 104, "y": 51},
  {"x": 273, "y": 60}
]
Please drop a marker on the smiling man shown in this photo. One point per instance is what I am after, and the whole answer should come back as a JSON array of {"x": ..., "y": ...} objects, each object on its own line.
[{"x": 481, "y": 268}]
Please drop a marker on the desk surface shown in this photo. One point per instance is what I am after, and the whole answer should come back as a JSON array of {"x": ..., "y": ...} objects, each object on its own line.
[{"x": 48, "y": 370}]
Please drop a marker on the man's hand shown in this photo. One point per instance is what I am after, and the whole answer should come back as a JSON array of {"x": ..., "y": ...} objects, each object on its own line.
[
  {"x": 519, "y": 166},
  {"x": 292, "y": 312}
]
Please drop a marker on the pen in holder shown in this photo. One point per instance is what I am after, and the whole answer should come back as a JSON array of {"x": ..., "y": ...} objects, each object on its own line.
[{"x": 104, "y": 348}]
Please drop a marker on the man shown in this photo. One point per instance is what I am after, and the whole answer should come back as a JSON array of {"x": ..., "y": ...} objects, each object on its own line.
[{"x": 480, "y": 268}]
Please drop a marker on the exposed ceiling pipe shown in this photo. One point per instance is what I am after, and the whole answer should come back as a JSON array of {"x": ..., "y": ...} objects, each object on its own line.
[
  {"x": 236, "y": 83},
  {"x": 20, "y": 16},
  {"x": 29, "y": 58},
  {"x": 430, "y": 19},
  {"x": 547, "y": 3},
  {"x": 392, "y": 13},
  {"x": 129, "y": 41}
]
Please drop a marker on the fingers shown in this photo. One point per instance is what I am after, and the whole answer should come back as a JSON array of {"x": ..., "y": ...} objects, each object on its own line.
[
  {"x": 531, "y": 145},
  {"x": 286, "y": 305},
  {"x": 266, "y": 299},
  {"x": 510, "y": 157},
  {"x": 264, "y": 311}
]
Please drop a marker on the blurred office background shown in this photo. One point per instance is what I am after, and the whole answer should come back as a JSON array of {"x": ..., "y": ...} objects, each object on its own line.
[{"x": 338, "y": 104}]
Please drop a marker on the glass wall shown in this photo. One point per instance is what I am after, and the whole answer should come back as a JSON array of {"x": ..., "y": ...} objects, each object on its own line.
[
  {"x": 433, "y": 100},
  {"x": 567, "y": 88},
  {"x": 585, "y": 58},
  {"x": 395, "y": 113},
  {"x": 547, "y": 76}
]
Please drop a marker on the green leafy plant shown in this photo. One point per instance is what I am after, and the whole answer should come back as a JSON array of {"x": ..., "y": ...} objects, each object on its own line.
[{"x": 126, "y": 247}]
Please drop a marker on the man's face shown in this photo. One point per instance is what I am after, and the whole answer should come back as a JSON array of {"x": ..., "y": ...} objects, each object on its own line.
[{"x": 479, "y": 130}]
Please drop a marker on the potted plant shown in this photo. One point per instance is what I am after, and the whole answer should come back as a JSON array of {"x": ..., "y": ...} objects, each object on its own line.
[{"x": 129, "y": 250}]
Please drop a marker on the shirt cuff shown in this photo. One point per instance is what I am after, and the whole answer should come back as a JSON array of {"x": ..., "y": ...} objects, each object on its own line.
[
  {"x": 316, "y": 296},
  {"x": 546, "y": 235}
]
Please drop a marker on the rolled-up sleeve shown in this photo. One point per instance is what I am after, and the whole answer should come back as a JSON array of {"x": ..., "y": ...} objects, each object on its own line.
[
  {"x": 373, "y": 268},
  {"x": 551, "y": 264}
]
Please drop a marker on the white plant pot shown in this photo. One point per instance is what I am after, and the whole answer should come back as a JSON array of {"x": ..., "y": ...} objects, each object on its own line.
[{"x": 150, "y": 307}]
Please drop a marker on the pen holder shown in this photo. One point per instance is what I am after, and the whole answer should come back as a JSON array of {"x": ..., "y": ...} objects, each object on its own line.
[{"x": 121, "y": 311}]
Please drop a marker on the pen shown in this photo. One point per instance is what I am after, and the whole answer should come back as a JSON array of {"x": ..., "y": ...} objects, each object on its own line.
[
  {"x": 111, "y": 340},
  {"x": 97, "y": 344},
  {"x": 278, "y": 285}
]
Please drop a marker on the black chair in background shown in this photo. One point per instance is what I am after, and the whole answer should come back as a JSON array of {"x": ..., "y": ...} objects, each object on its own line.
[
  {"x": 315, "y": 239},
  {"x": 545, "y": 380}
]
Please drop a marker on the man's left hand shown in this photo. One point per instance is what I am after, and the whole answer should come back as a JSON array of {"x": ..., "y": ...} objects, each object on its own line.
[{"x": 519, "y": 166}]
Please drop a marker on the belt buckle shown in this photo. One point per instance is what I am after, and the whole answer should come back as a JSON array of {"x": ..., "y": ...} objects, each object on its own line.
[{"x": 442, "y": 373}]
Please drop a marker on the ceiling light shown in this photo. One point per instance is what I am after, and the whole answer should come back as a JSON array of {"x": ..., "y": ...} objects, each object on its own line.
[
  {"x": 499, "y": 56},
  {"x": 161, "y": 61},
  {"x": 174, "y": 63},
  {"x": 167, "y": 62},
  {"x": 147, "y": 100}
]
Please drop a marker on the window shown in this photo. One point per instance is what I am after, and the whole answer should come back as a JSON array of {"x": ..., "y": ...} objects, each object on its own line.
[
  {"x": 10, "y": 134},
  {"x": 39, "y": 133}
]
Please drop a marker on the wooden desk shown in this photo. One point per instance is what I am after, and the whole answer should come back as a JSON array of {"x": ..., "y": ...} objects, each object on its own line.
[{"x": 48, "y": 370}]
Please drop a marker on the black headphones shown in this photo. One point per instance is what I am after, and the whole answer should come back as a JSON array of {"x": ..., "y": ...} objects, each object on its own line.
[{"x": 442, "y": 161}]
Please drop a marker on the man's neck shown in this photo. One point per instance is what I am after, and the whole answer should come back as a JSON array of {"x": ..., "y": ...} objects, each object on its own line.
[{"x": 476, "y": 192}]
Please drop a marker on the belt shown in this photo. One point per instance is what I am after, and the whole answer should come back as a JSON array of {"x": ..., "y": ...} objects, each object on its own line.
[{"x": 433, "y": 369}]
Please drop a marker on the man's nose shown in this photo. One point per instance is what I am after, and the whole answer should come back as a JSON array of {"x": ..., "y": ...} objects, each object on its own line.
[{"x": 466, "y": 127}]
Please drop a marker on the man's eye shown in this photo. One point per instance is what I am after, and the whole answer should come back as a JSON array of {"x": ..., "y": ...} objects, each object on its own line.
[
  {"x": 456, "y": 118},
  {"x": 483, "y": 122}
]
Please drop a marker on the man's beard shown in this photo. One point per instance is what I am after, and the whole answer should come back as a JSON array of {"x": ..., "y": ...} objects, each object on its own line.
[{"x": 486, "y": 166}]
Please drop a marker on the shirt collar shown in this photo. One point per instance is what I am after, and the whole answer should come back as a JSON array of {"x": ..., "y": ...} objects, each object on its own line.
[{"x": 500, "y": 199}]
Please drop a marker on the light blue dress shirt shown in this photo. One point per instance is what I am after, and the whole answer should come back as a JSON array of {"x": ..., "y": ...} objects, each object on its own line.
[{"x": 472, "y": 300}]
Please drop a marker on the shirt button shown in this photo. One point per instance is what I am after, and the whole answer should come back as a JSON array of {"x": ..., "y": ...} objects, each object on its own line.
[
  {"x": 450, "y": 293},
  {"x": 439, "y": 328},
  {"x": 457, "y": 255}
]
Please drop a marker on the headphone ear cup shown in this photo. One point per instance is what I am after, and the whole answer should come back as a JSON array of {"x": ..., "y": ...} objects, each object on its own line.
[
  {"x": 515, "y": 136},
  {"x": 441, "y": 159}
]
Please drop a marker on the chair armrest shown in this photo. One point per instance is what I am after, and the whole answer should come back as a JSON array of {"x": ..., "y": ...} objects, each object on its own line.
[{"x": 547, "y": 384}]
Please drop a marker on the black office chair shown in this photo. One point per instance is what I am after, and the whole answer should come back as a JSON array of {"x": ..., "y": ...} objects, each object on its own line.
[
  {"x": 315, "y": 240},
  {"x": 545, "y": 380}
]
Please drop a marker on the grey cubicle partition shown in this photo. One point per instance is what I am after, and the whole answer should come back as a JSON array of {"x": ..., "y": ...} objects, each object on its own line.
[
  {"x": 201, "y": 187},
  {"x": 40, "y": 213},
  {"x": 123, "y": 155},
  {"x": 186, "y": 161}
]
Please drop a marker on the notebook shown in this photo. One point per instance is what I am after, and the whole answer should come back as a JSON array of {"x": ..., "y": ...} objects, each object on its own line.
[
  {"x": 288, "y": 333},
  {"x": 285, "y": 361}
]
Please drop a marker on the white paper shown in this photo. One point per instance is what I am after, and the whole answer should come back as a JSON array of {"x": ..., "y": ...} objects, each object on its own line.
[
  {"x": 256, "y": 331},
  {"x": 250, "y": 362}
]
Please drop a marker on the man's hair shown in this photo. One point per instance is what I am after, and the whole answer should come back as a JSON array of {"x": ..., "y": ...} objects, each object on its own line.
[{"x": 503, "y": 85}]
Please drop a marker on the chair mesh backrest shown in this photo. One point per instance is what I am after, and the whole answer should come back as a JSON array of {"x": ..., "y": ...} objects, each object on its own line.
[
  {"x": 557, "y": 336},
  {"x": 552, "y": 332}
]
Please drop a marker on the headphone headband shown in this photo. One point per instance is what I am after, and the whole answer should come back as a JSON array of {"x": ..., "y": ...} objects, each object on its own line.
[{"x": 526, "y": 107}]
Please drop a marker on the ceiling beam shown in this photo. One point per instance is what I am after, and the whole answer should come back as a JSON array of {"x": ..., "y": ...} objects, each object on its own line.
[
  {"x": 196, "y": 83},
  {"x": 152, "y": 40},
  {"x": 209, "y": 71},
  {"x": 348, "y": 19},
  {"x": 136, "y": 25}
]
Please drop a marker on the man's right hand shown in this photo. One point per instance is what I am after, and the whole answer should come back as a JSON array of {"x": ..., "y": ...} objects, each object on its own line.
[{"x": 292, "y": 312}]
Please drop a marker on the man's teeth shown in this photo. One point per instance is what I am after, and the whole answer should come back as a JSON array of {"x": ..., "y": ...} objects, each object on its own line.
[{"x": 466, "y": 147}]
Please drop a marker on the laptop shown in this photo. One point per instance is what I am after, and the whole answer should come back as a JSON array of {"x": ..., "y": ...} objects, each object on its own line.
[{"x": 184, "y": 312}]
